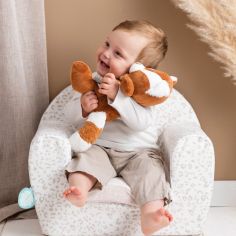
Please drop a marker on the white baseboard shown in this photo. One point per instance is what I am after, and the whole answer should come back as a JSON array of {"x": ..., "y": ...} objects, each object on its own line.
[{"x": 224, "y": 193}]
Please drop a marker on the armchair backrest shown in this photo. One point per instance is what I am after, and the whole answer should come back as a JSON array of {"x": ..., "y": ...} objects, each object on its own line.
[{"x": 176, "y": 109}]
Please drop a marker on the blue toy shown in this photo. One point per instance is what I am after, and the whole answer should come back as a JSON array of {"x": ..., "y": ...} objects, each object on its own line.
[{"x": 26, "y": 198}]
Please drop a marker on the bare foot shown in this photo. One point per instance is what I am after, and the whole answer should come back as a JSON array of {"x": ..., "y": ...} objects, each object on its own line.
[
  {"x": 154, "y": 221},
  {"x": 75, "y": 196}
]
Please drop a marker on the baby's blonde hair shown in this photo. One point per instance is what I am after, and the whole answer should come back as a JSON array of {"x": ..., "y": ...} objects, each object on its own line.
[{"x": 155, "y": 50}]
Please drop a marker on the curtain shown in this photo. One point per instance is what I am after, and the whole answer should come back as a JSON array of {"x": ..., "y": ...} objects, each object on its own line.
[{"x": 23, "y": 92}]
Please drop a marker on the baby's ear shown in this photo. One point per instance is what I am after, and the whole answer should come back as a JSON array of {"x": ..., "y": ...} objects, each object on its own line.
[{"x": 126, "y": 85}]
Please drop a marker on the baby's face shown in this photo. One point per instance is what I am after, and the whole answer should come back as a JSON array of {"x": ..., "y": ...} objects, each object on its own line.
[{"x": 119, "y": 51}]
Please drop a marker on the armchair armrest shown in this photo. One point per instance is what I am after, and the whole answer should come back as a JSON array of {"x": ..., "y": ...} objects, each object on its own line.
[
  {"x": 189, "y": 155},
  {"x": 177, "y": 140},
  {"x": 50, "y": 151}
]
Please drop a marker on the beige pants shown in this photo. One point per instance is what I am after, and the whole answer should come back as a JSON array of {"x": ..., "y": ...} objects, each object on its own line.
[{"x": 142, "y": 170}]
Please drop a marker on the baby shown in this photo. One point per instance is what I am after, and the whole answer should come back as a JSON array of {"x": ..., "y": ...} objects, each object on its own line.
[{"x": 127, "y": 146}]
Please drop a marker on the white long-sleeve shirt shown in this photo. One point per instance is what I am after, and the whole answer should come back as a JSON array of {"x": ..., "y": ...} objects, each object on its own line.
[{"x": 135, "y": 129}]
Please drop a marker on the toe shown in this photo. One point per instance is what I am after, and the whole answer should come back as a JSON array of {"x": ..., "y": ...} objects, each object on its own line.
[
  {"x": 67, "y": 191},
  {"x": 162, "y": 211},
  {"x": 169, "y": 216}
]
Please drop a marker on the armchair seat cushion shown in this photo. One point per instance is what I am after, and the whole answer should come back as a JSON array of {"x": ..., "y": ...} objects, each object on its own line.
[{"x": 115, "y": 191}]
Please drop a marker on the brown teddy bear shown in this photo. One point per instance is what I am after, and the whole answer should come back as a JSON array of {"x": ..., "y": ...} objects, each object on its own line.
[{"x": 146, "y": 86}]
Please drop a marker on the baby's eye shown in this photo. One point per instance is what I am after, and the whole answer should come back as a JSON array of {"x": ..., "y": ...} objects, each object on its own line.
[{"x": 117, "y": 53}]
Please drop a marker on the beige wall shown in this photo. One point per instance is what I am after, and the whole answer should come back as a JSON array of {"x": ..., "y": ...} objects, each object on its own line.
[{"x": 75, "y": 28}]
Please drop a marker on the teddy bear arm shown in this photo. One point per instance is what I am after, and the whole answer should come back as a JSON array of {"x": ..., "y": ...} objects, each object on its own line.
[
  {"x": 111, "y": 112},
  {"x": 126, "y": 85}
]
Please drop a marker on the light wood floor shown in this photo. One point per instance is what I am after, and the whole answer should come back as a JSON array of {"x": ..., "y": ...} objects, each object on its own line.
[{"x": 221, "y": 222}]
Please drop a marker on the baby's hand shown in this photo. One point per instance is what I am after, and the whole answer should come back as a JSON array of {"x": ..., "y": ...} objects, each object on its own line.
[
  {"x": 89, "y": 102},
  {"x": 109, "y": 86}
]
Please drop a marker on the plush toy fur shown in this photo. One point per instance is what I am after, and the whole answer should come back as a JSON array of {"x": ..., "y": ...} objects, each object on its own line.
[{"x": 146, "y": 86}]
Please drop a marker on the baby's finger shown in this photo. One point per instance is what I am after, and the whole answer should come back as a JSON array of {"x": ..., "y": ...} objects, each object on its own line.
[
  {"x": 110, "y": 75},
  {"x": 93, "y": 106},
  {"x": 93, "y": 101},
  {"x": 104, "y": 86},
  {"x": 89, "y": 93},
  {"x": 108, "y": 78},
  {"x": 103, "y": 91},
  {"x": 92, "y": 96}
]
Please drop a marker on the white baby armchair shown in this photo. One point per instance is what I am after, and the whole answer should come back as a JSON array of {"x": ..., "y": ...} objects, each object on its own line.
[{"x": 190, "y": 162}]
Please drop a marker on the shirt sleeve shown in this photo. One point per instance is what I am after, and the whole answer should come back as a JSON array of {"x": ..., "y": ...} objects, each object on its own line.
[{"x": 133, "y": 115}]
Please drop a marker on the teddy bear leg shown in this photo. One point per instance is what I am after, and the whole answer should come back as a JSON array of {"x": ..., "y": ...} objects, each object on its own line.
[{"x": 89, "y": 132}]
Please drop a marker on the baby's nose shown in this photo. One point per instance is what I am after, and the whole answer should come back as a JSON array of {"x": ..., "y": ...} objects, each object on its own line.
[{"x": 106, "y": 53}]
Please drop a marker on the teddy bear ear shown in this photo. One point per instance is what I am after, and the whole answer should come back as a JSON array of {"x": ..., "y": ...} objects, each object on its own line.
[
  {"x": 81, "y": 77},
  {"x": 126, "y": 85}
]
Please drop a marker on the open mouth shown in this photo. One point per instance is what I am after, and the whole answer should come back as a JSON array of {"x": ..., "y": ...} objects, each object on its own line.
[{"x": 104, "y": 65}]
